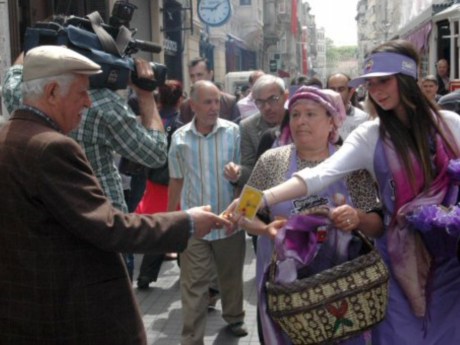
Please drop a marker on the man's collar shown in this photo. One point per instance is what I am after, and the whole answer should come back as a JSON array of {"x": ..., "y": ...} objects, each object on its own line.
[
  {"x": 215, "y": 128},
  {"x": 40, "y": 114}
]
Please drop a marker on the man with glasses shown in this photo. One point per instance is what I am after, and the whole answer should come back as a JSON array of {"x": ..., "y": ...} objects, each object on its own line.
[{"x": 269, "y": 95}]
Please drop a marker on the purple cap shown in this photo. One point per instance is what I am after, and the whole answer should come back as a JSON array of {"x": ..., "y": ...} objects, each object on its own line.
[{"x": 383, "y": 64}]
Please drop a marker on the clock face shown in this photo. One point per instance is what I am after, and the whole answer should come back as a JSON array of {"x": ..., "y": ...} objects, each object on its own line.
[{"x": 214, "y": 12}]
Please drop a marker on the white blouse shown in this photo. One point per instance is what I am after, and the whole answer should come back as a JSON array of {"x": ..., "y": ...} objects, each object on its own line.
[{"x": 357, "y": 152}]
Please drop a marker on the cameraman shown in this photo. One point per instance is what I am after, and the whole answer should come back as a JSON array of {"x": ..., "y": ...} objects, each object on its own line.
[{"x": 110, "y": 126}]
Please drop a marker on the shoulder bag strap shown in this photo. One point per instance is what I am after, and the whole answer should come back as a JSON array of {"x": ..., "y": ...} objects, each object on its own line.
[{"x": 107, "y": 41}]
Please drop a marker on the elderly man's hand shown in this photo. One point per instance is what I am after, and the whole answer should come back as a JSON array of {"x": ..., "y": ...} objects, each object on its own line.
[
  {"x": 232, "y": 172},
  {"x": 205, "y": 221}
]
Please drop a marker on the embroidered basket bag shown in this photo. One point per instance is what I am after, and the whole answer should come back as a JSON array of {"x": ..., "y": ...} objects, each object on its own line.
[{"x": 332, "y": 305}]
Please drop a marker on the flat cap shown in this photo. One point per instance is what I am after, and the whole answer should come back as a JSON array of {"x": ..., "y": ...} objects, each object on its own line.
[{"x": 49, "y": 61}]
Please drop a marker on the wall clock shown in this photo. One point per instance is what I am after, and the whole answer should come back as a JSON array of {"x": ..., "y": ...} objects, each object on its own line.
[{"x": 214, "y": 12}]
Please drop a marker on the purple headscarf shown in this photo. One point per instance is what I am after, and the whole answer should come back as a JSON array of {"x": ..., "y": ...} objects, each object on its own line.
[{"x": 330, "y": 100}]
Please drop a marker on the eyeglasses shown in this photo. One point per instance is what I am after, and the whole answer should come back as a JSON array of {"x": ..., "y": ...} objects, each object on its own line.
[{"x": 270, "y": 101}]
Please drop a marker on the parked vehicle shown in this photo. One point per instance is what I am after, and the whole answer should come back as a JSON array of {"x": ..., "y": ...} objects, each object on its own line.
[{"x": 234, "y": 81}]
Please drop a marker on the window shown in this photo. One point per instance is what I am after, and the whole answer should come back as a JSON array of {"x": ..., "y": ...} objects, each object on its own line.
[
  {"x": 245, "y": 2},
  {"x": 282, "y": 45},
  {"x": 282, "y": 6}
]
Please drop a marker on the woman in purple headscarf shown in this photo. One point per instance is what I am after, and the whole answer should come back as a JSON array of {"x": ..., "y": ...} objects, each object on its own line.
[
  {"x": 314, "y": 118},
  {"x": 409, "y": 150}
]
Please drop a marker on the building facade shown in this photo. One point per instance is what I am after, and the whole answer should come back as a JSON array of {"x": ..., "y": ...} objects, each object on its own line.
[
  {"x": 431, "y": 25},
  {"x": 277, "y": 36}
]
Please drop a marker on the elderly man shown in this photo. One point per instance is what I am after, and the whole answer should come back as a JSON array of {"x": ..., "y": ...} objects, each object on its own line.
[
  {"x": 269, "y": 94},
  {"x": 339, "y": 83},
  {"x": 197, "y": 156},
  {"x": 62, "y": 280},
  {"x": 109, "y": 127},
  {"x": 200, "y": 69}
]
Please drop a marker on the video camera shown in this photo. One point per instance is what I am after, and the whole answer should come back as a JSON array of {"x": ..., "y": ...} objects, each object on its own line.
[{"x": 109, "y": 45}]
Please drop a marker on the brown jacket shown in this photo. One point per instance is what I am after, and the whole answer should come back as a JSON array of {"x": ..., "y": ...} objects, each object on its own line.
[{"x": 61, "y": 279}]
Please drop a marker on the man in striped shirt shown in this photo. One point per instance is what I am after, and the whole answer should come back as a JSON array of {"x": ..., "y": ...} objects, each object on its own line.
[{"x": 197, "y": 156}]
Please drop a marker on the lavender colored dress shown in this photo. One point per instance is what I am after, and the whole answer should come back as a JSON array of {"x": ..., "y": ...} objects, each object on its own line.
[
  {"x": 441, "y": 325},
  {"x": 273, "y": 334}
]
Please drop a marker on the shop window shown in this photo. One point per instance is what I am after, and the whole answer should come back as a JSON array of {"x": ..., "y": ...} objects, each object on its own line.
[{"x": 282, "y": 6}]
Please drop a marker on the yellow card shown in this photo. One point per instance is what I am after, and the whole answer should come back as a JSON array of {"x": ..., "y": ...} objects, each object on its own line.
[{"x": 250, "y": 200}]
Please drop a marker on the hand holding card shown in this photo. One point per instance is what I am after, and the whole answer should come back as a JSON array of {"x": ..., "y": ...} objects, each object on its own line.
[{"x": 250, "y": 201}]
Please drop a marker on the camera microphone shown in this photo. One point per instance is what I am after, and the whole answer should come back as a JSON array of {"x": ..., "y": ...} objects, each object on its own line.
[{"x": 147, "y": 46}]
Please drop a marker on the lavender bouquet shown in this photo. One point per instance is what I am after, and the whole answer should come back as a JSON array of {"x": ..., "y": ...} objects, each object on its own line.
[
  {"x": 453, "y": 170},
  {"x": 427, "y": 218},
  {"x": 296, "y": 245}
]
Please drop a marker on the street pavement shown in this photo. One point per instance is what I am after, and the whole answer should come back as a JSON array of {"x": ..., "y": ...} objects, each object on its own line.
[{"x": 161, "y": 307}]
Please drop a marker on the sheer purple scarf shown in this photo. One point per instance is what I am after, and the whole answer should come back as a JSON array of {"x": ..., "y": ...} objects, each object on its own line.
[{"x": 411, "y": 261}]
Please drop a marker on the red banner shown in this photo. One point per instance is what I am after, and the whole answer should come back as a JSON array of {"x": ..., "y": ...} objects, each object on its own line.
[
  {"x": 304, "y": 59},
  {"x": 294, "y": 21},
  {"x": 304, "y": 51}
]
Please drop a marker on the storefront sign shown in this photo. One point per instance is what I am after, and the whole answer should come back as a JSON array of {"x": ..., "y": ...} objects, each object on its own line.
[{"x": 170, "y": 47}]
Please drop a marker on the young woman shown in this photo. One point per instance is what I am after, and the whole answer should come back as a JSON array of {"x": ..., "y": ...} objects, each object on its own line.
[{"x": 407, "y": 150}]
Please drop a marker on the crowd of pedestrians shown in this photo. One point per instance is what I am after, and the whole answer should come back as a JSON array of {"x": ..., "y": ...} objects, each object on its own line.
[{"x": 69, "y": 226}]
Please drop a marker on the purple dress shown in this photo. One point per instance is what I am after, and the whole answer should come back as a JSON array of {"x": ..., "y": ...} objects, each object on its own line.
[
  {"x": 441, "y": 325},
  {"x": 273, "y": 334}
]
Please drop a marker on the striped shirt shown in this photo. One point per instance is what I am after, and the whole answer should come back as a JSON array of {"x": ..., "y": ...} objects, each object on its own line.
[
  {"x": 200, "y": 160},
  {"x": 109, "y": 126}
]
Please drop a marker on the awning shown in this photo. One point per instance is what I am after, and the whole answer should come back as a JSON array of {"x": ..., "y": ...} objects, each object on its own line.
[
  {"x": 450, "y": 12},
  {"x": 419, "y": 37},
  {"x": 232, "y": 39},
  {"x": 413, "y": 25}
]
